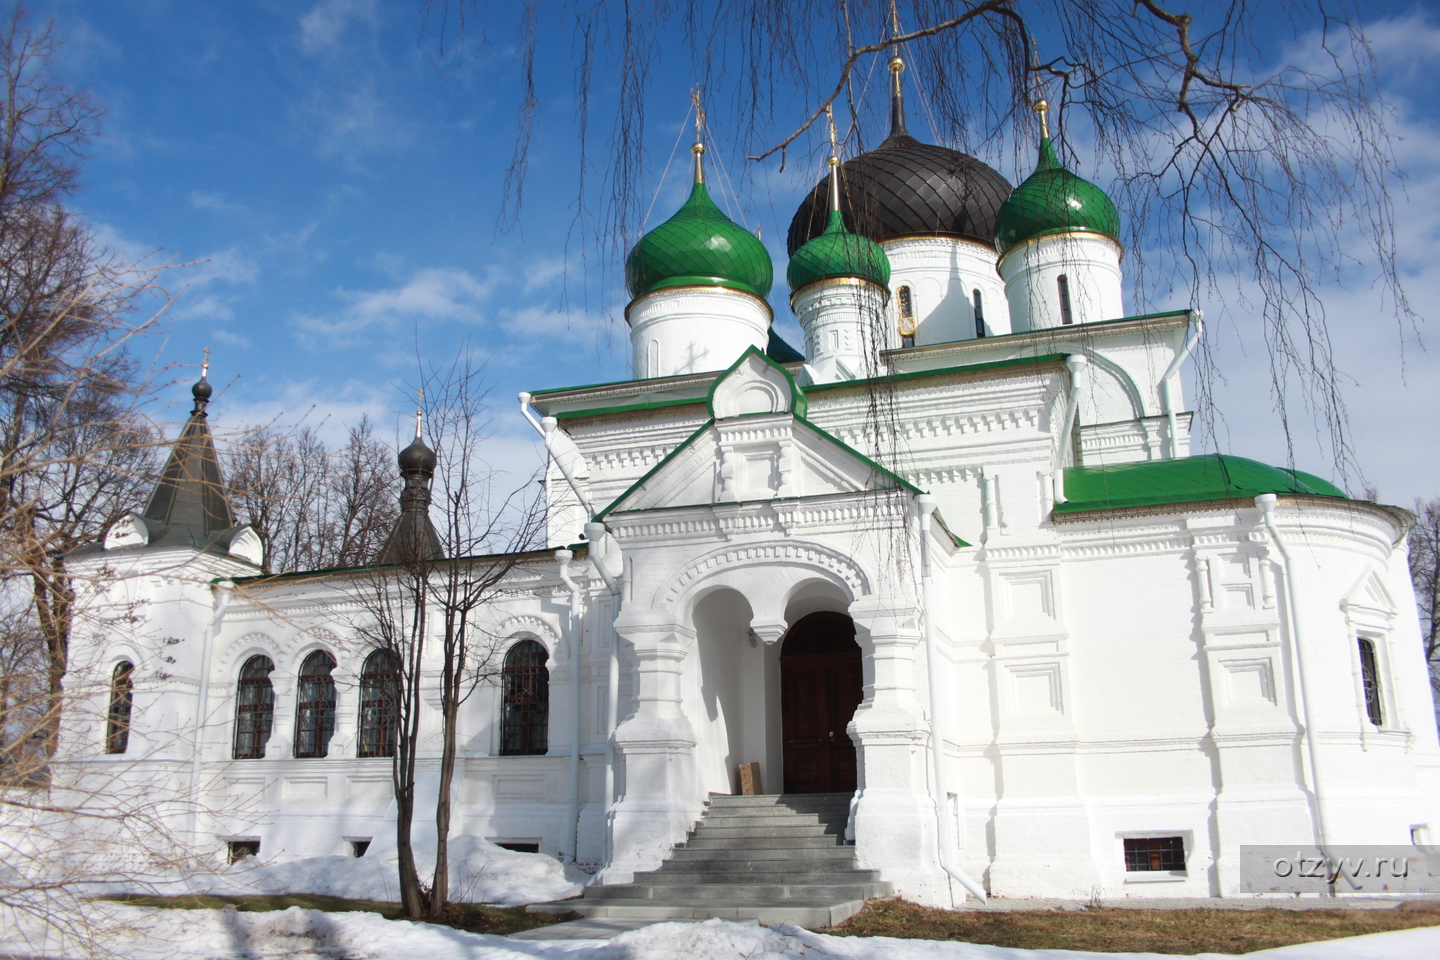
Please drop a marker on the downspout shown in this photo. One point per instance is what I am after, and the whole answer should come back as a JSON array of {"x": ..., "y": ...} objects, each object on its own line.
[
  {"x": 563, "y": 558},
  {"x": 1266, "y": 502},
  {"x": 1076, "y": 363},
  {"x": 1167, "y": 399},
  {"x": 224, "y": 590},
  {"x": 925, "y": 504},
  {"x": 595, "y": 533}
]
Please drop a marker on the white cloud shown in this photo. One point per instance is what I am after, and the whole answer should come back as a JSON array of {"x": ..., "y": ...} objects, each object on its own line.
[
  {"x": 434, "y": 294},
  {"x": 321, "y": 28}
]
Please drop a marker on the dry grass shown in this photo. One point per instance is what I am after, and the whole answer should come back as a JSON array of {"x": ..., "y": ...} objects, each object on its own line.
[
  {"x": 461, "y": 916},
  {"x": 1112, "y": 930}
]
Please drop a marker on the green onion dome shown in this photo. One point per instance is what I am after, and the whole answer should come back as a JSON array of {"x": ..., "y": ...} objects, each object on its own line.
[
  {"x": 838, "y": 253},
  {"x": 699, "y": 246},
  {"x": 1054, "y": 200}
]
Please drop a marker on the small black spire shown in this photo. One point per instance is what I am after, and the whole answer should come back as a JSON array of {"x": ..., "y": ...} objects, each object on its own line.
[
  {"x": 414, "y": 537},
  {"x": 188, "y": 505}
]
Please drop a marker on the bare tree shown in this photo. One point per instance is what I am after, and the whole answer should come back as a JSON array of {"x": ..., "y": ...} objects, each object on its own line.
[
  {"x": 314, "y": 508},
  {"x": 1245, "y": 140},
  {"x": 434, "y": 586},
  {"x": 1425, "y": 574}
]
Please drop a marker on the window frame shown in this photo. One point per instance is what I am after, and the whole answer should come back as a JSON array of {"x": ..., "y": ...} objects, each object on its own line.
[
  {"x": 120, "y": 709},
  {"x": 1067, "y": 312},
  {"x": 260, "y": 704},
  {"x": 1372, "y": 689},
  {"x": 524, "y": 727},
  {"x": 315, "y": 697},
  {"x": 378, "y": 722}
]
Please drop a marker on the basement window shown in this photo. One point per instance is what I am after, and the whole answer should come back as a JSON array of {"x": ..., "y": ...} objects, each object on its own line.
[
  {"x": 519, "y": 846},
  {"x": 238, "y": 850},
  {"x": 1155, "y": 855},
  {"x": 358, "y": 848}
]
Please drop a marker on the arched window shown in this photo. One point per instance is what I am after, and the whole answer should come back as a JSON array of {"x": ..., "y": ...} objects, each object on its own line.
[
  {"x": 979, "y": 313},
  {"x": 905, "y": 311},
  {"x": 379, "y": 704},
  {"x": 315, "y": 706},
  {"x": 525, "y": 708},
  {"x": 254, "y": 709},
  {"x": 1066, "y": 317},
  {"x": 1370, "y": 677},
  {"x": 122, "y": 699}
]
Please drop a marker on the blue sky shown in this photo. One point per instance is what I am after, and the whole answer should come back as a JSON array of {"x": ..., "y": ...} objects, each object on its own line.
[{"x": 336, "y": 191}]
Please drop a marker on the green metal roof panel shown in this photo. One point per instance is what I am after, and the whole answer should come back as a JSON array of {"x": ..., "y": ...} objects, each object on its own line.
[
  {"x": 699, "y": 246},
  {"x": 1183, "y": 480},
  {"x": 1054, "y": 200},
  {"x": 780, "y": 351},
  {"x": 1320, "y": 485},
  {"x": 838, "y": 253}
]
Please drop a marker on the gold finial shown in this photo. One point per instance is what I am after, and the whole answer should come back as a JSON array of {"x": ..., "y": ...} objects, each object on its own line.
[
  {"x": 897, "y": 66},
  {"x": 1042, "y": 108},
  {"x": 205, "y": 365},
  {"x": 419, "y": 412}
]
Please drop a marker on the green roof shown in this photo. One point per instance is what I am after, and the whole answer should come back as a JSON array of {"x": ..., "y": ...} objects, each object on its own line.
[
  {"x": 838, "y": 253},
  {"x": 1054, "y": 200},
  {"x": 699, "y": 246},
  {"x": 1183, "y": 480},
  {"x": 780, "y": 351}
]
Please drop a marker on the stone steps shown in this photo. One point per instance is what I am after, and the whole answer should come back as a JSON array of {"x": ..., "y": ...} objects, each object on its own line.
[{"x": 769, "y": 858}]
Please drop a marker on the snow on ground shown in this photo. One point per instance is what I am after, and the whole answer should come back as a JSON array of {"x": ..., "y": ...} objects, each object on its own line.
[
  {"x": 480, "y": 872},
  {"x": 144, "y": 933}
]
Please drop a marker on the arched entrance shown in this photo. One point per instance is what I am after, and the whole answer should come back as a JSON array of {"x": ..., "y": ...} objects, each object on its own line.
[{"x": 820, "y": 687}]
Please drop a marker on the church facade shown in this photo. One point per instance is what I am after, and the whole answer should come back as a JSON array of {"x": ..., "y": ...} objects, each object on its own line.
[{"x": 954, "y": 561}]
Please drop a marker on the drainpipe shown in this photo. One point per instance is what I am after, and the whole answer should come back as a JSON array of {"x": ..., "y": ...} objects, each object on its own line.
[
  {"x": 1167, "y": 399},
  {"x": 563, "y": 558},
  {"x": 925, "y": 503},
  {"x": 595, "y": 533},
  {"x": 1266, "y": 502},
  {"x": 223, "y": 590},
  {"x": 1076, "y": 363}
]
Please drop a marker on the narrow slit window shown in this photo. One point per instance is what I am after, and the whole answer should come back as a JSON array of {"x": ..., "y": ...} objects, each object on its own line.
[
  {"x": 525, "y": 683},
  {"x": 1066, "y": 316},
  {"x": 1370, "y": 676},
  {"x": 315, "y": 706},
  {"x": 238, "y": 850},
  {"x": 1155, "y": 854},
  {"x": 979, "y": 313},
  {"x": 254, "y": 709},
  {"x": 122, "y": 702},
  {"x": 905, "y": 308},
  {"x": 379, "y": 704}
]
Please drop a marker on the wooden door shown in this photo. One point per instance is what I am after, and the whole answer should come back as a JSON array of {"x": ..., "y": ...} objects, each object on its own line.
[{"x": 820, "y": 687}]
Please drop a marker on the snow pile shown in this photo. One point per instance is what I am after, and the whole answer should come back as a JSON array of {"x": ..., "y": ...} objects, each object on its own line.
[
  {"x": 480, "y": 872},
  {"x": 144, "y": 933}
]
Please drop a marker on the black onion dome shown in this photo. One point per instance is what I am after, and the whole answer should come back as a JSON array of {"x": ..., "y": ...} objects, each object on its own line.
[
  {"x": 907, "y": 188},
  {"x": 417, "y": 458}
]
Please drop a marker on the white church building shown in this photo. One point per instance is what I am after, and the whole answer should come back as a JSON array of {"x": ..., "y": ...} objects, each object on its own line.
[{"x": 951, "y": 572}]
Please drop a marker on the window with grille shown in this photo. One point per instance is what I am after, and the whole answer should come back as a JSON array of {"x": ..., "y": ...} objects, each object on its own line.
[
  {"x": 1370, "y": 675},
  {"x": 1066, "y": 317},
  {"x": 254, "y": 709},
  {"x": 1155, "y": 853},
  {"x": 379, "y": 704},
  {"x": 979, "y": 313},
  {"x": 315, "y": 705},
  {"x": 238, "y": 850},
  {"x": 905, "y": 308},
  {"x": 122, "y": 701},
  {"x": 525, "y": 707}
]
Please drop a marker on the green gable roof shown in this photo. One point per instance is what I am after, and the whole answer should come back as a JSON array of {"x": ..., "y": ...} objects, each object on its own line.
[
  {"x": 1184, "y": 480},
  {"x": 1054, "y": 200},
  {"x": 699, "y": 246}
]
